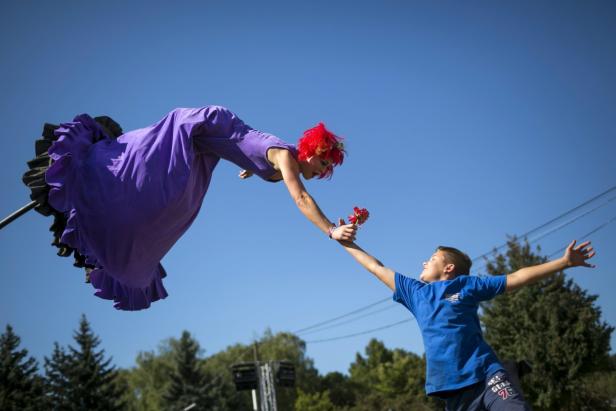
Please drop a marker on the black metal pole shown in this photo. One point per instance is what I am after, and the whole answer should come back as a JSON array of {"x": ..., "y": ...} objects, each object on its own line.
[{"x": 17, "y": 214}]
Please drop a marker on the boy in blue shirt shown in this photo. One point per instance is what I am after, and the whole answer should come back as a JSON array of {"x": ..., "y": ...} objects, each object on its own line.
[{"x": 461, "y": 368}]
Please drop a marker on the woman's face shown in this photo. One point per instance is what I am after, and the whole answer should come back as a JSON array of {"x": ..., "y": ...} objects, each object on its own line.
[{"x": 314, "y": 166}]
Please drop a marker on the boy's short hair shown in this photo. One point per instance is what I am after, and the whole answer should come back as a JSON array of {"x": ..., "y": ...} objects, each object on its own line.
[{"x": 460, "y": 260}]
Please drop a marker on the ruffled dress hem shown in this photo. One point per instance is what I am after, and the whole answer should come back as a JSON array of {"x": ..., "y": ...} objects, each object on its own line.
[{"x": 58, "y": 156}]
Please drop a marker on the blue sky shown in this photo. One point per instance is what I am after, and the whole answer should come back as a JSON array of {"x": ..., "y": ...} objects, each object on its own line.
[{"x": 464, "y": 122}]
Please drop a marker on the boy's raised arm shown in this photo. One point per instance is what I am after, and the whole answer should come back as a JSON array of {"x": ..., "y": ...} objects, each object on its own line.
[
  {"x": 573, "y": 257},
  {"x": 386, "y": 275}
]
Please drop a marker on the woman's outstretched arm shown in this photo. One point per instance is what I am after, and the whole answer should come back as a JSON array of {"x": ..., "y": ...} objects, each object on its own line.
[{"x": 290, "y": 170}]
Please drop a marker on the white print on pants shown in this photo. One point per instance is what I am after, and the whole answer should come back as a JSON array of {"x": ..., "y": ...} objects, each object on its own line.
[{"x": 501, "y": 387}]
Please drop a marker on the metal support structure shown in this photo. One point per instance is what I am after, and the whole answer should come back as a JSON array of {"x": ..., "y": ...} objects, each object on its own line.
[
  {"x": 18, "y": 213},
  {"x": 267, "y": 387},
  {"x": 264, "y": 377}
]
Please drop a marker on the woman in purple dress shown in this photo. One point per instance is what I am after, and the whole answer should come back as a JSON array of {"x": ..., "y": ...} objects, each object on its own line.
[{"x": 121, "y": 200}]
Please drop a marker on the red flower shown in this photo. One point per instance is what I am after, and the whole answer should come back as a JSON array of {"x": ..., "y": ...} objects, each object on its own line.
[{"x": 359, "y": 216}]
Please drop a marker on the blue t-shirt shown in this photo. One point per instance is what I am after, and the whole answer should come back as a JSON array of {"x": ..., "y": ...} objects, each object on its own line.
[{"x": 446, "y": 311}]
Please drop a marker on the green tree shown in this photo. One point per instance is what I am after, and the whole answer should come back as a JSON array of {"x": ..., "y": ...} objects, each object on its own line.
[
  {"x": 556, "y": 326},
  {"x": 81, "y": 378},
  {"x": 390, "y": 379},
  {"x": 603, "y": 384},
  {"x": 57, "y": 370},
  {"x": 189, "y": 382},
  {"x": 340, "y": 389},
  {"x": 149, "y": 379},
  {"x": 318, "y": 401},
  {"x": 21, "y": 388}
]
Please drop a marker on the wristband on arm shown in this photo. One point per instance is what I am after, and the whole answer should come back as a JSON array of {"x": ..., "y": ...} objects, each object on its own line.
[{"x": 331, "y": 230}]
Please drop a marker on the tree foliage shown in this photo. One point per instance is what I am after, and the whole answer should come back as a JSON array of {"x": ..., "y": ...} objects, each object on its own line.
[
  {"x": 21, "y": 388},
  {"x": 80, "y": 378},
  {"x": 318, "y": 401},
  {"x": 149, "y": 379},
  {"x": 389, "y": 379},
  {"x": 556, "y": 326},
  {"x": 189, "y": 382},
  {"x": 341, "y": 391}
]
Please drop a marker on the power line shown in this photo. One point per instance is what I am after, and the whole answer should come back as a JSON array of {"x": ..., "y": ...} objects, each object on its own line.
[
  {"x": 534, "y": 230},
  {"x": 585, "y": 203},
  {"x": 389, "y": 307},
  {"x": 565, "y": 224},
  {"x": 314, "y": 329},
  {"x": 573, "y": 220},
  {"x": 340, "y": 316},
  {"x": 359, "y": 333},
  {"x": 594, "y": 230}
]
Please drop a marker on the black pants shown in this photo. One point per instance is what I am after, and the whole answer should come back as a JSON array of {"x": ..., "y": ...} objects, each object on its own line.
[{"x": 495, "y": 394}]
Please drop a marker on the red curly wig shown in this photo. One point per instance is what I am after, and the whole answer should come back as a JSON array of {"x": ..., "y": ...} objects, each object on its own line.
[{"x": 321, "y": 142}]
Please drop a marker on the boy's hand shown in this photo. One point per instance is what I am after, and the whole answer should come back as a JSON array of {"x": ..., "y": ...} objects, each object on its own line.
[
  {"x": 574, "y": 257},
  {"x": 577, "y": 256}
]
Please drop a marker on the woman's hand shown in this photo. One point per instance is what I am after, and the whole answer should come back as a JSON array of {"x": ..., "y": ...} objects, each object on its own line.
[
  {"x": 290, "y": 170},
  {"x": 244, "y": 174},
  {"x": 344, "y": 232}
]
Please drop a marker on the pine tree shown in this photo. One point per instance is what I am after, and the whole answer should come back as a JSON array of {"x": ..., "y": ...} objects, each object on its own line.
[
  {"x": 21, "y": 388},
  {"x": 57, "y": 371},
  {"x": 81, "y": 378},
  {"x": 190, "y": 384},
  {"x": 556, "y": 326}
]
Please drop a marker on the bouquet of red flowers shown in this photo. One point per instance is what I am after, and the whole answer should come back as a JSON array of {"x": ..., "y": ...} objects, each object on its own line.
[{"x": 359, "y": 216}]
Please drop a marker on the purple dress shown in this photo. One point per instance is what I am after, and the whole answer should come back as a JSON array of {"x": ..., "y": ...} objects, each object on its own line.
[{"x": 128, "y": 200}]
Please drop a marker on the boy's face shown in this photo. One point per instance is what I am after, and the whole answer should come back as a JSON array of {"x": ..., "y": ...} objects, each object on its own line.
[{"x": 435, "y": 269}]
